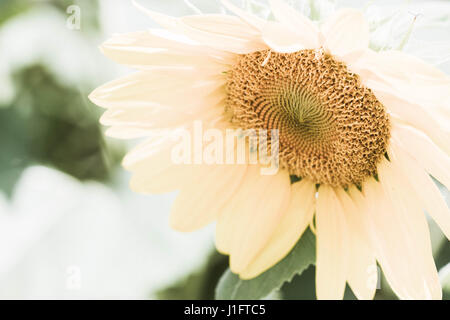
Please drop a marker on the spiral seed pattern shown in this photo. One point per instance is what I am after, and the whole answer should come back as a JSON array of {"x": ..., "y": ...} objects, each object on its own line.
[{"x": 332, "y": 129}]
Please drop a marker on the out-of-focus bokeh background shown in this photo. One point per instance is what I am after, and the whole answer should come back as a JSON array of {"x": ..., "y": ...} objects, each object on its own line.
[{"x": 69, "y": 225}]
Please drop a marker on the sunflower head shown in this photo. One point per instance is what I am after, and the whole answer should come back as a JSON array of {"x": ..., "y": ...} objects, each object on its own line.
[
  {"x": 332, "y": 129},
  {"x": 340, "y": 115}
]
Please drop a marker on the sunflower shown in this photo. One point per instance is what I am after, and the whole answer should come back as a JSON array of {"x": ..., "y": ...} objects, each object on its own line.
[{"x": 360, "y": 135}]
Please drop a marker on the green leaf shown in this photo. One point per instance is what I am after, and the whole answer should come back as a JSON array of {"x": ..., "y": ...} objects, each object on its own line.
[{"x": 230, "y": 287}]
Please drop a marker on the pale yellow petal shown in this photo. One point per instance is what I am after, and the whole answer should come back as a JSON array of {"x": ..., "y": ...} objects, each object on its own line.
[
  {"x": 346, "y": 33},
  {"x": 409, "y": 112},
  {"x": 362, "y": 268},
  {"x": 280, "y": 38},
  {"x": 167, "y": 179},
  {"x": 144, "y": 89},
  {"x": 154, "y": 151},
  {"x": 141, "y": 43},
  {"x": 294, "y": 222},
  {"x": 424, "y": 151},
  {"x": 152, "y": 166},
  {"x": 156, "y": 49},
  {"x": 305, "y": 30},
  {"x": 207, "y": 36},
  {"x": 249, "y": 18},
  {"x": 154, "y": 39},
  {"x": 200, "y": 202},
  {"x": 207, "y": 109},
  {"x": 163, "y": 20},
  {"x": 249, "y": 219},
  {"x": 139, "y": 121},
  {"x": 222, "y": 32},
  {"x": 413, "y": 78},
  {"x": 162, "y": 59},
  {"x": 425, "y": 189},
  {"x": 223, "y": 42},
  {"x": 332, "y": 245},
  {"x": 174, "y": 159},
  {"x": 400, "y": 235},
  {"x": 221, "y": 24}
]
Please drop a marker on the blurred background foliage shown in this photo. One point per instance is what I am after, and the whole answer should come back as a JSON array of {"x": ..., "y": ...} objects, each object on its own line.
[
  {"x": 51, "y": 124},
  {"x": 47, "y": 120}
]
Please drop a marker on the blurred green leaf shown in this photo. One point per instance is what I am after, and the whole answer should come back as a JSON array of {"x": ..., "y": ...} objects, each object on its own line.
[
  {"x": 230, "y": 287},
  {"x": 53, "y": 124},
  {"x": 9, "y": 9}
]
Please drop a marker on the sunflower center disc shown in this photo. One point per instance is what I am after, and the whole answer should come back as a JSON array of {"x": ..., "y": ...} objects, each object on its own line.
[{"x": 332, "y": 129}]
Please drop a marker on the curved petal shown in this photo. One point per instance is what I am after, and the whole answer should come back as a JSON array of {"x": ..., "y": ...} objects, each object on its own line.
[
  {"x": 305, "y": 30},
  {"x": 400, "y": 236},
  {"x": 175, "y": 158},
  {"x": 250, "y": 19},
  {"x": 295, "y": 220},
  {"x": 218, "y": 37},
  {"x": 424, "y": 151},
  {"x": 168, "y": 22},
  {"x": 362, "y": 267},
  {"x": 156, "y": 148},
  {"x": 332, "y": 245},
  {"x": 154, "y": 59},
  {"x": 413, "y": 78},
  {"x": 167, "y": 179},
  {"x": 156, "y": 40},
  {"x": 425, "y": 189},
  {"x": 207, "y": 109},
  {"x": 280, "y": 38},
  {"x": 153, "y": 169},
  {"x": 153, "y": 39},
  {"x": 410, "y": 113},
  {"x": 346, "y": 34},
  {"x": 221, "y": 24},
  {"x": 199, "y": 204},
  {"x": 226, "y": 38},
  {"x": 249, "y": 219},
  {"x": 146, "y": 89}
]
